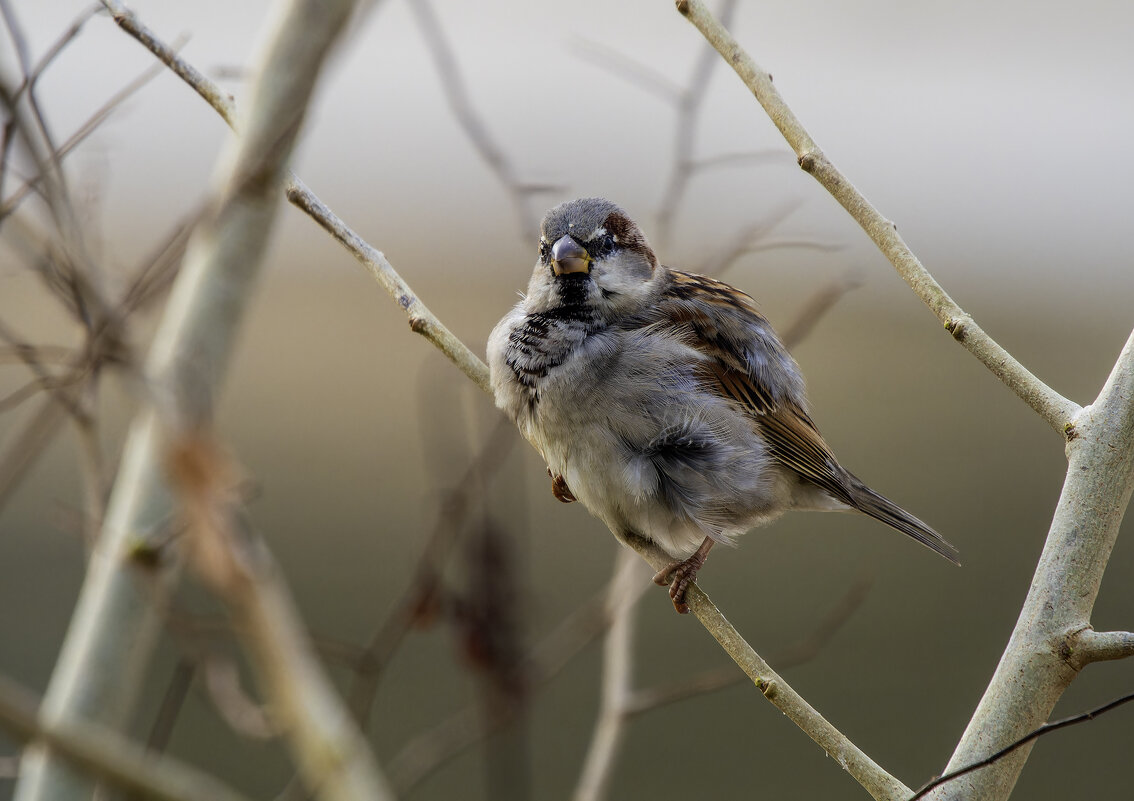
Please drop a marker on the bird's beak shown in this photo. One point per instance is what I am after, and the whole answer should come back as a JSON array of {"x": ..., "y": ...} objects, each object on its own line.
[{"x": 568, "y": 256}]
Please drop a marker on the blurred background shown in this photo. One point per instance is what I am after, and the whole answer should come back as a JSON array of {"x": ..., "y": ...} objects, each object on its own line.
[{"x": 995, "y": 136}]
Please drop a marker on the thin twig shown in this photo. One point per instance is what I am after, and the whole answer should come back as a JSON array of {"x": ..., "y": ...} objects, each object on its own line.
[
  {"x": 457, "y": 95},
  {"x": 688, "y": 107},
  {"x": 820, "y": 302},
  {"x": 1046, "y": 728},
  {"x": 12, "y": 202},
  {"x": 1050, "y": 405}
]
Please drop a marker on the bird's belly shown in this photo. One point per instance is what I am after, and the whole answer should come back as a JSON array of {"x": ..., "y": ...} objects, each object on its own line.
[{"x": 649, "y": 455}]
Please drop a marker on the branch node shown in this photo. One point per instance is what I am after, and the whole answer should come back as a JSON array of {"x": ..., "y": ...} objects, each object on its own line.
[
  {"x": 956, "y": 326},
  {"x": 807, "y": 161},
  {"x": 419, "y": 325},
  {"x": 1070, "y": 432},
  {"x": 769, "y": 688},
  {"x": 683, "y": 7}
]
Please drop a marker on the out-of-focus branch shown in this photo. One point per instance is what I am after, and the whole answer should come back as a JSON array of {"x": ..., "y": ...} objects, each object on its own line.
[
  {"x": 331, "y": 752},
  {"x": 688, "y": 106},
  {"x": 107, "y": 755},
  {"x": 626, "y": 588},
  {"x": 12, "y": 202},
  {"x": 820, "y": 302},
  {"x": 875, "y": 780},
  {"x": 112, "y": 632},
  {"x": 1050, "y": 405},
  {"x": 422, "y": 320},
  {"x": 457, "y": 95},
  {"x": 428, "y": 751},
  {"x": 796, "y": 653}
]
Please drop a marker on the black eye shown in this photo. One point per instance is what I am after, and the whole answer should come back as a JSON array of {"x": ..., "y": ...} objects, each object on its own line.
[
  {"x": 600, "y": 246},
  {"x": 544, "y": 252}
]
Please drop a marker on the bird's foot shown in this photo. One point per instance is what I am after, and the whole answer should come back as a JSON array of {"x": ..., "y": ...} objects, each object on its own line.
[
  {"x": 680, "y": 574},
  {"x": 560, "y": 489}
]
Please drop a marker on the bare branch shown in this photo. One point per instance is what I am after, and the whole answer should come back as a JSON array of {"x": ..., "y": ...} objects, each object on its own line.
[
  {"x": 625, "y": 591},
  {"x": 817, "y": 306},
  {"x": 92, "y": 123},
  {"x": 421, "y": 319},
  {"x": 631, "y": 70},
  {"x": 331, "y": 752},
  {"x": 719, "y": 262},
  {"x": 213, "y": 94},
  {"x": 1099, "y": 646},
  {"x": 796, "y": 653},
  {"x": 169, "y": 710},
  {"x": 114, "y": 625},
  {"x": 428, "y": 751},
  {"x": 875, "y": 780},
  {"x": 1047, "y": 728},
  {"x": 457, "y": 94},
  {"x": 1050, "y": 405},
  {"x": 688, "y": 107},
  {"x": 107, "y": 755}
]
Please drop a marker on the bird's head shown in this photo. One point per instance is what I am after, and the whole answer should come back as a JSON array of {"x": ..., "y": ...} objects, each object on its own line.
[{"x": 592, "y": 258}]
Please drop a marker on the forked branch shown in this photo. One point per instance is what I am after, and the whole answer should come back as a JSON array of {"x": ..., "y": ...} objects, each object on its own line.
[{"x": 1049, "y": 404}]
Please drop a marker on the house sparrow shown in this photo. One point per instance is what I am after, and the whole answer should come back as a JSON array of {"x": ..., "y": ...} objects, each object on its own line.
[{"x": 662, "y": 400}]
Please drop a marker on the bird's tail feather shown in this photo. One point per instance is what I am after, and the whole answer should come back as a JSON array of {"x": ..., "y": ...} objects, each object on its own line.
[{"x": 880, "y": 508}]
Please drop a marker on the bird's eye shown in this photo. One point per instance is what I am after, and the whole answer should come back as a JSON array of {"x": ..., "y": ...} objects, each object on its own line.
[
  {"x": 544, "y": 252},
  {"x": 601, "y": 245}
]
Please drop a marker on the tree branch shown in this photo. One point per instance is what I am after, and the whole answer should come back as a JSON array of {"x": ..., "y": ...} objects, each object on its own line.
[
  {"x": 1050, "y": 405},
  {"x": 330, "y": 750},
  {"x": 1099, "y": 646},
  {"x": 1046, "y": 728},
  {"x": 114, "y": 625},
  {"x": 625, "y": 590},
  {"x": 421, "y": 319},
  {"x": 875, "y": 780},
  {"x": 107, "y": 755},
  {"x": 879, "y": 783}
]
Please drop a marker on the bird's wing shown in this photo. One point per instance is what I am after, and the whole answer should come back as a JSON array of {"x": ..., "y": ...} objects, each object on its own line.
[{"x": 748, "y": 364}]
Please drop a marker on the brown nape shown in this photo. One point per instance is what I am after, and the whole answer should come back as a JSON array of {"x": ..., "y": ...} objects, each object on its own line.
[{"x": 629, "y": 235}]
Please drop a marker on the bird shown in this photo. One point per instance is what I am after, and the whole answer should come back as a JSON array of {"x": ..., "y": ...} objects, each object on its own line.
[{"x": 664, "y": 401}]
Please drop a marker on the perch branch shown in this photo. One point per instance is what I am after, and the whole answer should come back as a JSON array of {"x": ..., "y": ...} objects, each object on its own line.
[
  {"x": 875, "y": 780},
  {"x": 1049, "y": 404},
  {"x": 421, "y": 319},
  {"x": 879, "y": 783}
]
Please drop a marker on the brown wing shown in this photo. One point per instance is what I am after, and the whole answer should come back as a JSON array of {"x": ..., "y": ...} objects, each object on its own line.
[{"x": 750, "y": 365}]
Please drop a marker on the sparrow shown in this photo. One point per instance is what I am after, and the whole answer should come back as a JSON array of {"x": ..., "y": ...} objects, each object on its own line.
[{"x": 663, "y": 401}]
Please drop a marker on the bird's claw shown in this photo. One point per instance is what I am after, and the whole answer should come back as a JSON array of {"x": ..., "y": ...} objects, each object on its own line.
[{"x": 560, "y": 489}]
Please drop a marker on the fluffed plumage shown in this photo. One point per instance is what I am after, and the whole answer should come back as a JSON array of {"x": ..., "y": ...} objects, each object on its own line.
[{"x": 662, "y": 400}]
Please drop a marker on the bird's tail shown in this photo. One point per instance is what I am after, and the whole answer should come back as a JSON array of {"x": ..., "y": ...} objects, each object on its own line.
[{"x": 869, "y": 502}]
